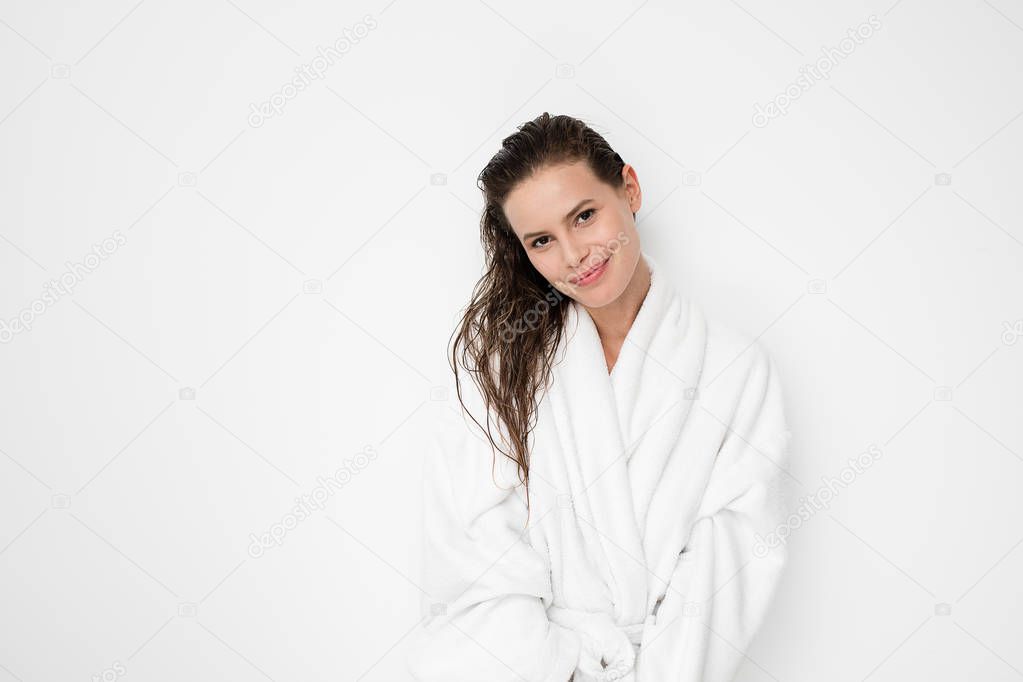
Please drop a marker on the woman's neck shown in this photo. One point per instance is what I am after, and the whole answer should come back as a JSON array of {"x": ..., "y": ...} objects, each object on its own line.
[{"x": 614, "y": 320}]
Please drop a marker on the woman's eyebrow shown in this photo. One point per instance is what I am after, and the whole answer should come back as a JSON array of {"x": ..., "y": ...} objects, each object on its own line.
[{"x": 568, "y": 216}]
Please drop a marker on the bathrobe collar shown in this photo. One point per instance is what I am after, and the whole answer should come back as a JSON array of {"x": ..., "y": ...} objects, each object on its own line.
[{"x": 622, "y": 443}]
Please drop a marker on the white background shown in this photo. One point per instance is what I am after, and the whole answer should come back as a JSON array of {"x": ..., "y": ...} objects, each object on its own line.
[{"x": 890, "y": 299}]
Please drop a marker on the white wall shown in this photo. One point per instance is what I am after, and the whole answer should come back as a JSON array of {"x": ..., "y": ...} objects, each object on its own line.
[{"x": 126, "y": 511}]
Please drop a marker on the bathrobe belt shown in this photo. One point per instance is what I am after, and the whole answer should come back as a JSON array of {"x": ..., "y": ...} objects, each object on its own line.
[{"x": 633, "y": 631}]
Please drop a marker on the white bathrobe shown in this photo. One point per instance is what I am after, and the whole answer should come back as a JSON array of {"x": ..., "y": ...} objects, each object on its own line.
[{"x": 653, "y": 492}]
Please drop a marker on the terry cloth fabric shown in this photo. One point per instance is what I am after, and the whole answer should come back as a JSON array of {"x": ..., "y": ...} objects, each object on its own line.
[{"x": 651, "y": 490}]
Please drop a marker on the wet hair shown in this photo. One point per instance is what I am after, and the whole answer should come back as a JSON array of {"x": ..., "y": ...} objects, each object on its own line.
[{"x": 510, "y": 330}]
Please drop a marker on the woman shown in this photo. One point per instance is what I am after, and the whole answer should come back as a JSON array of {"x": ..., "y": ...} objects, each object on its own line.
[{"x": 619, "y": 535}]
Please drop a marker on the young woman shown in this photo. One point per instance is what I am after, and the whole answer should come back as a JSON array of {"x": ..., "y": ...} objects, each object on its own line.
[{"x": 621, "y": 523}]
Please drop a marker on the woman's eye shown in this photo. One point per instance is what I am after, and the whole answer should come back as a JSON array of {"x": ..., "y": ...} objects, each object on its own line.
[{"x": 584, "y": 215}]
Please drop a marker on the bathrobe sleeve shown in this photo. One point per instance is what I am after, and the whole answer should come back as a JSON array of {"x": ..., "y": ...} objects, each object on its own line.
[
  {"x": 728, "y": 570},
  {"x": 486, "y": 588}
]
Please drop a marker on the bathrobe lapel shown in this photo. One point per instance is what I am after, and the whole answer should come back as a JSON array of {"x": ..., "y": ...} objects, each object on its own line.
[
  {"x": 654, "y": 384},
  {"x": 585, "y": 413},
  {"x": 617, "y": 445}
]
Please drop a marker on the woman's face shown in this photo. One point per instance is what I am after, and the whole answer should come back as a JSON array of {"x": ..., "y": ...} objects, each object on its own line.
[{"x": 578, "y": 232}]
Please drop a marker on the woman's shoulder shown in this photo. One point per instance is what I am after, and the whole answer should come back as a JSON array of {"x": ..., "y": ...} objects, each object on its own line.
[
  {"x": 740, "y": 386},
  {"x": 734, "y": 361},
  {"x": 737, "y": 374}
]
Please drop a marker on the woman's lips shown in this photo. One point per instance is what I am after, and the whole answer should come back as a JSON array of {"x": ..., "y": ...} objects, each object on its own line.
[{"x": 591, "y": 275}]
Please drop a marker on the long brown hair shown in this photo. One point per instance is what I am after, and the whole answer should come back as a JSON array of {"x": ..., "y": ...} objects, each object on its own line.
[{"x": 510, "y": 331}]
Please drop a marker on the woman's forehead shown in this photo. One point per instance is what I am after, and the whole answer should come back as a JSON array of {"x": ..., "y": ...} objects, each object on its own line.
[{"x": 543, "y": 200}]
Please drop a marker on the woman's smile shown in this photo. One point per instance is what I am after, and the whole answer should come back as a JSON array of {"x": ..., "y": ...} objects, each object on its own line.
[{"x": 592, "y": 275}]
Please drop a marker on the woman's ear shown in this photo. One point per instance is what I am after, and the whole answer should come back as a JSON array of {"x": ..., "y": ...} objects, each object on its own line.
[{"x": 633, "y": 193}]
